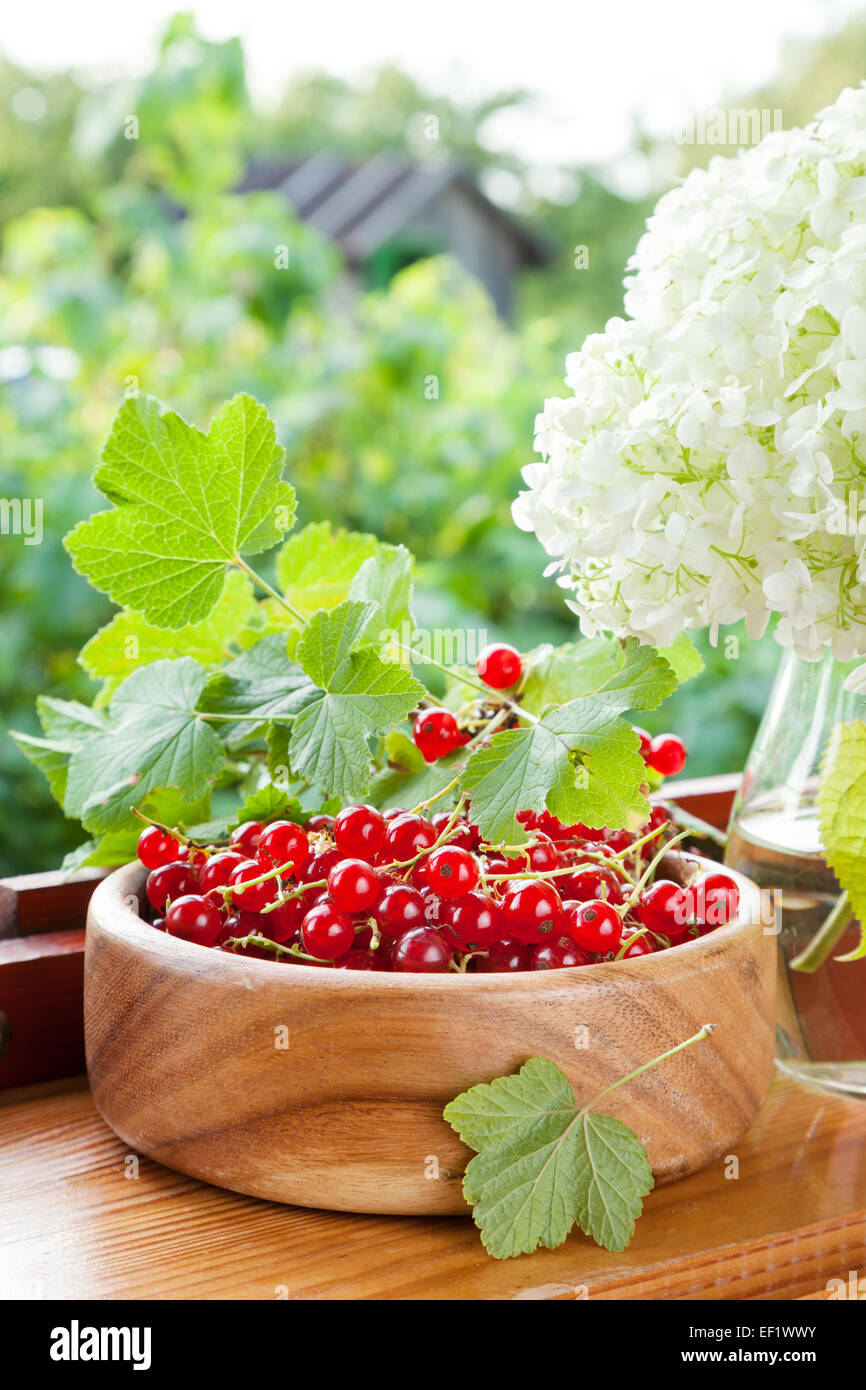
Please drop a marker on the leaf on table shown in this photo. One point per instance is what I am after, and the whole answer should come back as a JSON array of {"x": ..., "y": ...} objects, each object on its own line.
[
  {"x": 842, "y": 816},
  {"x": 359, "y": 696},
  {"x": 581, "y": 762},
  {"x": 130, "y": 641},
  {"x": 154, "y": 739},
  {"x": 543, "y": 1164},
  {"x": 187, "y": 506}
]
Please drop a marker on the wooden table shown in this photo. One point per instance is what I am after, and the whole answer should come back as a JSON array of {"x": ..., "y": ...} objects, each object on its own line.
[
  {"x": 80, "y": 1217},
  {"x": 76, "y": 1223}
]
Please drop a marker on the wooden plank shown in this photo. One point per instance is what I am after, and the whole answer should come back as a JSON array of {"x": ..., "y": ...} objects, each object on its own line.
[
  {"x": 77, "y": 1222},
  {"x": 32, "y": 903},
  {"x": 41, "y": 1007},
  {"x": 710, "y": 798}
]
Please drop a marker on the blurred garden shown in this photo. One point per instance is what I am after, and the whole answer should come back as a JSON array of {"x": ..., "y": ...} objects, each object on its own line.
[{"x": 130, "y": 262}]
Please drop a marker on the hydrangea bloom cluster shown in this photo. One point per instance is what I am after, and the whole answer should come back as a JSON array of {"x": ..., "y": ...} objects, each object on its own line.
[{"x": 710, "y": 463}]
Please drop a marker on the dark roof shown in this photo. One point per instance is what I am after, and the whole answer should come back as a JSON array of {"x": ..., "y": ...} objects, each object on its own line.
[{"x": 362, "y": 205}]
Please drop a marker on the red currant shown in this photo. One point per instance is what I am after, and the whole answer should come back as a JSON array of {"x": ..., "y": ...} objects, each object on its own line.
[
  {"x": 217, "y": 872},
  {"x": 667, "y": 755},
  {"x": 435, "y": 733},
  {"x": 618, "y": 840},
  {"x": 641, "y": 946},
  {"x": 659, "y": 815},
  {"x": 475, "y": 922},
  {"x": 284, "y": 922},
  {"x": 246, "y": 837},
  {"x": 665, "y": 908},
  {"x": 451, "y": 871},
  {"x": 284, "y": 842},
  {"x": 531, "y": 910},
  {"x": 399, "y": 909},
  {"x": 499, "y": 666},
  {"x": 504, "y": 956},
  {"x": 156, "y": 847},
  {"x": 714, "y": 899},
  {"x": 591, "y": 882},
  {"x": 596, "y": 926},
  {"x": 319, "y": 866},
  {"x": 158, "y": 924},
  {"x": 193, "y": 918},
  {"x": 240, "y": 923},
  {"x": 558, "y": 955},
  {"x": 353, "y": 886},
  {"x": 406, "y": 836},
  {"x": 421, "y": 951},
  {"x": 461, "y": 833},
  {"x": 359, "y": 832},
  {"x": 645, "y": 742},
  {"x": 258, "y": 895},
  {"x": 359, "y": 960},
  {"x": 320, "y": 823},
  {"x": 168, "y": 882},
  {"x": 326, "y": 932}
]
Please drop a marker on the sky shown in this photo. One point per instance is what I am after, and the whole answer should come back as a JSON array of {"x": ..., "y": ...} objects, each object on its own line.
[{"x": 592, "y": 67}]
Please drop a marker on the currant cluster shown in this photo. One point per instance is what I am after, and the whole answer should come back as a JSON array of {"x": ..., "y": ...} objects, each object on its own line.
[
  {"x": 400, "y": 891},
  {"x": 437, "y": 732}
]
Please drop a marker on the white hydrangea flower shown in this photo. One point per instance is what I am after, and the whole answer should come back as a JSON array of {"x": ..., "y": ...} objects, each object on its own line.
[{"x": 707, "y": 466}]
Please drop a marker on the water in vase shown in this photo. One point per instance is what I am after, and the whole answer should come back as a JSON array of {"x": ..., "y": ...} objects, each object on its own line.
[{"x": 821, "y": 1016}]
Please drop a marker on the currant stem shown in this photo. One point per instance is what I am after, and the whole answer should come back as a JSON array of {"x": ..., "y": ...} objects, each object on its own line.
[
  {"x": 651, "y": 868},
  {"x": 831, "y": 931},
  {"x": 429, "y": 802},
  {"x": 487, "y": 691},
  {"x": 167, "y": 830},
  {"x": 271, "y": 592},
  {"x": 704, "y": 1032}
]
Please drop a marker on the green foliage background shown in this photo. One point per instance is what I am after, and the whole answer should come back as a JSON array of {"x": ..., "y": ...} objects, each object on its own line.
[{"x": 127, "y": 263}]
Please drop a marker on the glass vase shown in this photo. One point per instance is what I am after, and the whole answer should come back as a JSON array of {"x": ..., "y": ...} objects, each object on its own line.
[{"x": 775, "y": 839}]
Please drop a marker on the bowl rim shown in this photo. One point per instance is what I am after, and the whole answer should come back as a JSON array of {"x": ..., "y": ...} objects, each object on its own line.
[{"x": 116, "y": 917}]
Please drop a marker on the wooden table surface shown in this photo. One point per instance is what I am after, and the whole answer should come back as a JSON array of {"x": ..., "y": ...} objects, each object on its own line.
[{"x": 76, "y": 1223}]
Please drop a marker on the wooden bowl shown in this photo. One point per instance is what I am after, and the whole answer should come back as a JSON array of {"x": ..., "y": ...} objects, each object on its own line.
[{"x": 325, "y": 1088}]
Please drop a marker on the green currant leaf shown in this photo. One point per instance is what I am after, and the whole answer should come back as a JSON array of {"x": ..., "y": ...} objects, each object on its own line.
[
  {"x": 67, "y": 726},
  {"x": 154, "y": 739},
  {"x": 164, "y": 804},
  {"x": 580, "y": 762},
  {"x": 612, "y": 1178},
  {"x": 622, "y": 675},
  {"x": 270, "y": 803},
  {"x": 188, "y": 505},
  {"x": 259, "y": 687},
  {"x": 408, "y": 779},
  {"x": 683, "y": 657},
  {"x": 842, "y": 816},
  {"x": 129, "y": 641},
  {"x": 359, "y": 696},
  {"x": 542, "y": 1164},
  {"x": 316, "y": 567},
  {"x": 386, "y": 580}
]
